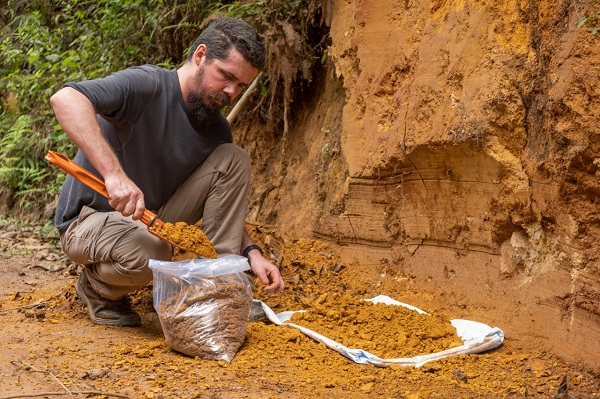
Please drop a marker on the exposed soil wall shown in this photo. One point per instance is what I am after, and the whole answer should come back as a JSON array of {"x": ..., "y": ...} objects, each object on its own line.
[{"x": 454, "y": 143}]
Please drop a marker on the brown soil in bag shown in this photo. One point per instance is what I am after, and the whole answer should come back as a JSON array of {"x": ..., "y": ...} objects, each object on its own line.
[{"x": 207, "y": 319}]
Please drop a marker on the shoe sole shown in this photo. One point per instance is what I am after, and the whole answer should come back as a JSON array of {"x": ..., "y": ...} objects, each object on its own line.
[{"x": 125, "y": 322}]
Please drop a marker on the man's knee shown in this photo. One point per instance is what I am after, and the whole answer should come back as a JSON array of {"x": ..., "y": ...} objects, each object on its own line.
[
  {"x": 230, "y": 158},
  {"x": 134, "y": 251}
]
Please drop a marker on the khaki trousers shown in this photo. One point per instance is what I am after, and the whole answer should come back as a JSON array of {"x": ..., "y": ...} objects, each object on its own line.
[{"x": 115, "y": 249}]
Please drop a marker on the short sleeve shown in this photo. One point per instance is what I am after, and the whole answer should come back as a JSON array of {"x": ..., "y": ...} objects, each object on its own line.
[{"x": 123, "y": 96}]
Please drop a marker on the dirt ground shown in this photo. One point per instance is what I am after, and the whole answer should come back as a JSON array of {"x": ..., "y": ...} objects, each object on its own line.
[{"x": 48, "y": 344}]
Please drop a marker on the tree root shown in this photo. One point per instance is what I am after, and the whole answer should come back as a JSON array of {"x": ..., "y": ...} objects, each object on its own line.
[
  {"x": 66, "y": 391},
  {"x": 242, "y": 101},
  {"x": 31, "y": 305},
  {"x": 70, "y": 393}
]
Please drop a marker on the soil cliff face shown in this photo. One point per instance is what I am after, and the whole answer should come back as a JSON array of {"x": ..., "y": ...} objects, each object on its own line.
[{"x": 455, "y": 143}]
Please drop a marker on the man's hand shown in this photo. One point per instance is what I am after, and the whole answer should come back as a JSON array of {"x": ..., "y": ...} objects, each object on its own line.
[
  {"x": 267, "y": 272},
  {"x": 125, "y": 196}
]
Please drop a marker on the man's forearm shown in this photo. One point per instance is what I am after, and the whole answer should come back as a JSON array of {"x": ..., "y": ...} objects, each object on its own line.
[{"x": 246, "y": 240}]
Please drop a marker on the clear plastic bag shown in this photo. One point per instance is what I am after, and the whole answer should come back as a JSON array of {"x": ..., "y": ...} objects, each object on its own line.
[{"x": 203, "y": 305}]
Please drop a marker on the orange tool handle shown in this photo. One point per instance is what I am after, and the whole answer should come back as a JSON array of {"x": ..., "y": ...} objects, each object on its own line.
[{"x": 90, "y": 180}]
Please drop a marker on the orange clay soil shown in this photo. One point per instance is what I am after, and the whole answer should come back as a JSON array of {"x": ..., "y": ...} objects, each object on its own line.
[
  {"x": 387, "y": 331},
  {"x": 190, "y": 237},
  {"x": 48, "y": 344}
]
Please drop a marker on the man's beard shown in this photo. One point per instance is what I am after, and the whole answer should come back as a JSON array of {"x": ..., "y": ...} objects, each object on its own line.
[{"x": 206, "y": 111}]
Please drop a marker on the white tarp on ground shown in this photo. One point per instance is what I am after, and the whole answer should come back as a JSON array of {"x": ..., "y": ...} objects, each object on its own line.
[{"x": 477, "y": 337}]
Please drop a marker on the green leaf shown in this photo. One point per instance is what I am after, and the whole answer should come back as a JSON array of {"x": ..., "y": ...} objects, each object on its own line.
[
  {"x": 68, "y": 62},
  {"x": 33, "y": 56},
  {"x": 53, "y": 57}
]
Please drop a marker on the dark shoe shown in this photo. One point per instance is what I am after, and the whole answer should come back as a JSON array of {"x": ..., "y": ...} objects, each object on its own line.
[{"x": 106, "y": 311}]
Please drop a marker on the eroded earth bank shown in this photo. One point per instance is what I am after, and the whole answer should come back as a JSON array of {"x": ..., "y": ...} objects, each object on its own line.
[{"x": 456, "y": 144}]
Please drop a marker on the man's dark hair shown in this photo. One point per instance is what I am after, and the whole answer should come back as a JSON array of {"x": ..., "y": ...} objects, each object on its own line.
[{"x": 223, "y": 34}]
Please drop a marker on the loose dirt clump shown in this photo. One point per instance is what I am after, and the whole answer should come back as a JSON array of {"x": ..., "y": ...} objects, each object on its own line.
[
  {"x": 190, "y": 237},
  {"x": 387, "y": 331}
]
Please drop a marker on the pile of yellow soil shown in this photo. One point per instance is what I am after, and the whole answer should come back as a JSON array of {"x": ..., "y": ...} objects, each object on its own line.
[
  {"x": 387, "y": 331},
  {"x": 317, "y": 283}
]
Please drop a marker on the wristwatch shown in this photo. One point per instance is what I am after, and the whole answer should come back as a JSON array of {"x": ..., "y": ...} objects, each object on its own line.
[{"x": 250, "y": 248}]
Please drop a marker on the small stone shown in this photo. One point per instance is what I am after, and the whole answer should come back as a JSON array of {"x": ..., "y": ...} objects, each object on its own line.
[
  {"x": 367, "y": 387},
  {"x": 459, "y": 375}
]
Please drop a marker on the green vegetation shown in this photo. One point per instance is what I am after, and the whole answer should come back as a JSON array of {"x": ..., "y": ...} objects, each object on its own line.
[
  {"x": 45, "y": 43},
  {"x": 591, "y": 22}
]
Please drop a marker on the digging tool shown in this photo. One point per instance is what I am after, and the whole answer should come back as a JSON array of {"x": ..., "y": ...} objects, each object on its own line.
[{"x": 148, "y": 218}]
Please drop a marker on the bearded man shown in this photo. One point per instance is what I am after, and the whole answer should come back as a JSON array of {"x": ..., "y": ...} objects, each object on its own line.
[{"x": 159, "y": 141}]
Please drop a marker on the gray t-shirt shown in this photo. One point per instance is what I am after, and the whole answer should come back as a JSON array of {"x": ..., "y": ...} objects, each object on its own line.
[{"x": 144, "y": 118}]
